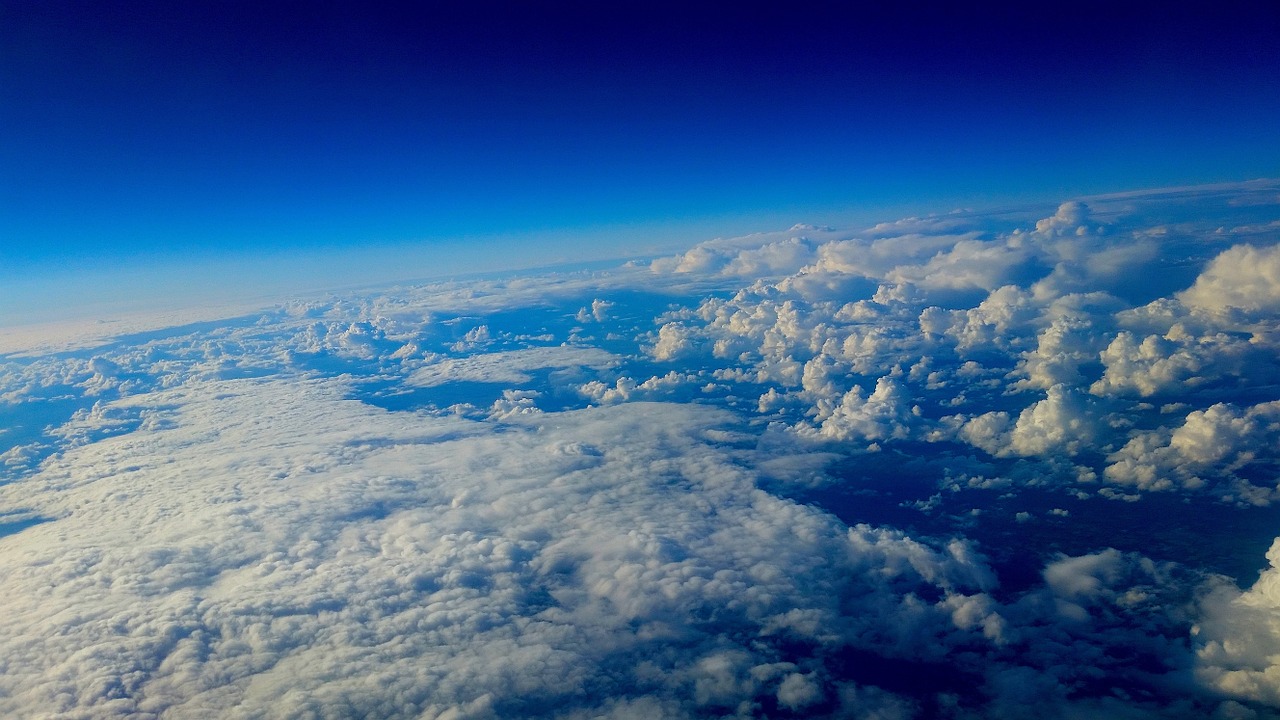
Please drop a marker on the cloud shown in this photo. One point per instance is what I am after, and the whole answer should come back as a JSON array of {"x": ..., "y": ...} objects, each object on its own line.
[
  {"x": 884, "y": 414},
  {"x": 750, "y": 256},
  {"x": 626, "y": 388},
  {"x": 673, "y": 341},
  {"x": 1000, "y": 320},
  {"x": 218, "y": 519},
  {"x": 1064, "y": 352},
  {"x": 966, "y": 265},
  {"x": 274, "y": 544},
  {"x": 798, "y": 691},
  {"x": 1211, "y": 447},
  {"x": 507, "y": 367},
  {"x": 318, "y": 555},
  {"x": 1238, "y": 638},
  {"x": 875, "y": 255},
  {"x": 1172, "y": 363},
  {"x": 598, "y": 312},
  {"x": 1243, "y": 278},
  {"x": 1061, "y": 422}
]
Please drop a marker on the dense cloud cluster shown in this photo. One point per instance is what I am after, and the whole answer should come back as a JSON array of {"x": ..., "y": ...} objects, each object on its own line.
[
  {"x": 1032, "y": 343},
  {"x": 845, "y": 473}
]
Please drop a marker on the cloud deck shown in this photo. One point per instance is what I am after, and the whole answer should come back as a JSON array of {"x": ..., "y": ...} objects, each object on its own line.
[{"x": 819, "y": 472}]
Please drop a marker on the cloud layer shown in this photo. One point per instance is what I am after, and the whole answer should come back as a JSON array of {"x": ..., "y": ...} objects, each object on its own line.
[{"x": 821, "y": 472}]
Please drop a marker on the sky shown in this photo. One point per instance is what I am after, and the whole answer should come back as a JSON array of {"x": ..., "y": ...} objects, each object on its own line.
[{"x": 204, "y": 135}]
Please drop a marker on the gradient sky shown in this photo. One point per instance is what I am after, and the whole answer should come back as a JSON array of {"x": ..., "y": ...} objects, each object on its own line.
[{"x": 165, "y": 132}]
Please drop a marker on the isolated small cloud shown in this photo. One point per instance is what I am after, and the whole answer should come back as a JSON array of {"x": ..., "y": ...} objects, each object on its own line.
[
  {"x": 1069, "y": 220},
  {"x": 599, "y": 311}
]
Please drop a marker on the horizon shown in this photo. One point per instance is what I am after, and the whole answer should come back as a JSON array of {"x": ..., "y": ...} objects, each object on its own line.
[
  {"x": 158, "y": 136},
  {"x": 247, "y": 278}
]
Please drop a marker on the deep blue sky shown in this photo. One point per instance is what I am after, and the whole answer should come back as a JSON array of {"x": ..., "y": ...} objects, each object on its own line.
[{"x": 164, "y": 129}]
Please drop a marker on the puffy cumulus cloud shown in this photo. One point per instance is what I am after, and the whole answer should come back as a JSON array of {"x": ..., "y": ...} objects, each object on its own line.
[
  {"x": 957, "y": 566},
  {"x": 780, "y": 331},
  {"x": 884, "y": 414},
  {"x": 359, "y": 339},
  {"x": 1000, "y": 320},
  {"x": 1065, "y": 353},
  {"x": 1069, "y": 220},
  {"x": 1085, "y": 255},
  {"x": 1066, "y": 253},
  {"x": 798, "y": 691},
  {"x": 1062, "y": 422},
  {"x": 626, "y": 388},
  {"x": 1211, "y": 447},
  {"x": 1173, "y": 363},
  {"x": 599, "y": 311},
  {"x": 1085, "y": 577},
  {"x": 672, "y": 341},
  {"x": 1080, "y": 253},
  {"x": 1238, "y": 638},
  {"x": 875, "y": 256},
  {"x": 514, "y": 403},
  {"x": 760, "y": 254},
  {"x": 965, "y": 318},
  {"x": 1215, "y": 337},
  {"x": 1084, "y": 266},
  {"x": 967, "y": 265},
  {"x": 785, "y": 255},
  {"x": 1244, "y": 278}
]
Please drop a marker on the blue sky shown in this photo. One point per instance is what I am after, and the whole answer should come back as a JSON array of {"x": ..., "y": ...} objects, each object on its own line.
[{"x": 178, "y": 132}]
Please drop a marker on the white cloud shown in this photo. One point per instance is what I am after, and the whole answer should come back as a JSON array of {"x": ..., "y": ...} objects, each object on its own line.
[
  {"x": 760, "y": 254},
  {"x": 226, "y": 529},
  {"x": 884, "y": 414},
  {"x": 1069, "y": 220},
  {"x": 1001, "y": 320},
  {"x": 875, "y": 256},
  {"x": 507, "y": 367},
  {"x": 1243, "y": 278},
  {"x": 1068, "y": 344},
  {"x": 1172, "y": 363},
  {"x": 967, "y": 265},
  {"x": 673, "y": 341},
  {"x": 1061, "y": 422},
  {"x": 625, "y": 388},
  {"x": 599, "y": 311},
  {"x": 1207, "y": 449},
  {"x": 798, "y": 691},
  {"x": 276, "y": 545},
  {"x": 1238, "y": 638}
]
